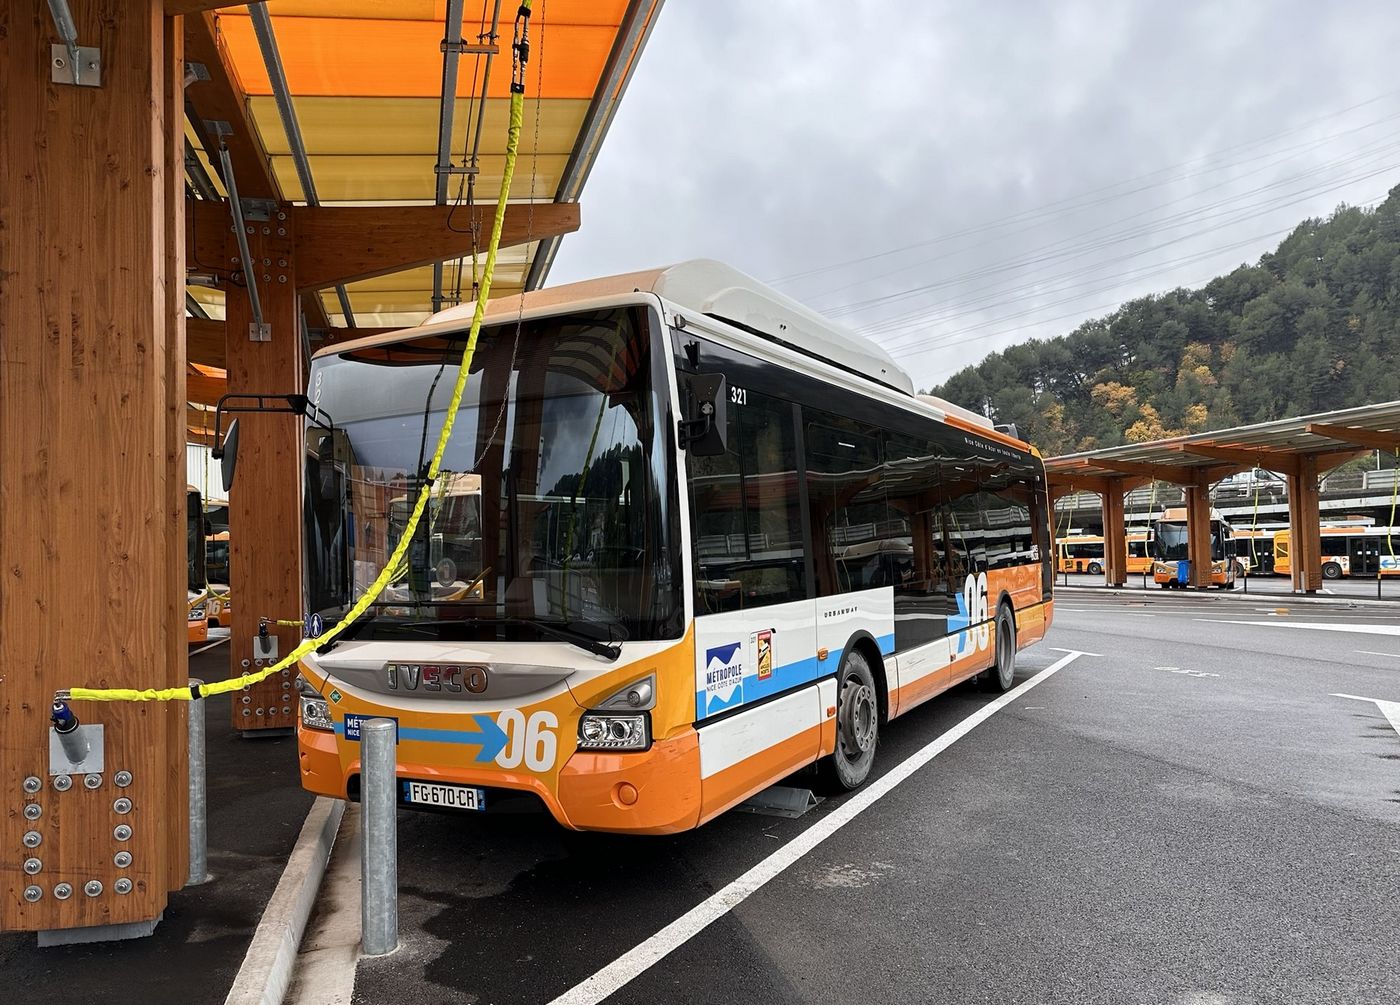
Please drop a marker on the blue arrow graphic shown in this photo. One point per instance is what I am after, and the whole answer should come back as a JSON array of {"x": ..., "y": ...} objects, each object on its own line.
[{"x": 492, "y": 738}]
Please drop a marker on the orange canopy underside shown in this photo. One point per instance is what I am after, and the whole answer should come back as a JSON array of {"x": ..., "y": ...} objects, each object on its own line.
[{"x": 365, "y": 78}]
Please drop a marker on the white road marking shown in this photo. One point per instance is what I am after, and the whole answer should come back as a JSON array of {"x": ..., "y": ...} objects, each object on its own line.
[
  {"x": 1370, "y": 652},
  {"x": 1077, "y": 652},
  {"x": 1359, "y": 629},
  {"x": 642, "y": 957},
  {"x": 216, "y": 642},
  {"x": 1390, "y": 709}
]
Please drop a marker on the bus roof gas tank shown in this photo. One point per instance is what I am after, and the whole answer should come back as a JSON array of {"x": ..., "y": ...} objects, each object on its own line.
[{"x": 715, "y": 289}]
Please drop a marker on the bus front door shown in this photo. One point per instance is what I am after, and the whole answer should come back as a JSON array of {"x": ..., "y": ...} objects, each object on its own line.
[{"x": 1364, "y": 555}]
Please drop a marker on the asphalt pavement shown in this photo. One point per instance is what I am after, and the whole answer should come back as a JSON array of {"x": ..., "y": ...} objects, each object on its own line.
[
  {"x": 1185, "y": 814},
  {"x": 1189, "y": 799}
]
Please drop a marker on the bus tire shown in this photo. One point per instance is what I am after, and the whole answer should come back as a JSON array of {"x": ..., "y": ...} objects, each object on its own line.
[
  {"x": 1095, "y": 569},
  {"x": 1331, "y": 570},
  {"x": 857, "y": 725},
  {"x": 1003, "y": 672}
]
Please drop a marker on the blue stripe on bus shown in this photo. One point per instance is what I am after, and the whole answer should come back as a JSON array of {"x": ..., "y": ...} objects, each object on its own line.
[{"x": 784, "y": 677}]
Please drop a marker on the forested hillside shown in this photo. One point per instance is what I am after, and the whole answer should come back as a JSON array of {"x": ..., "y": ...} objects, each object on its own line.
[{"x": 1315, "y": 325}]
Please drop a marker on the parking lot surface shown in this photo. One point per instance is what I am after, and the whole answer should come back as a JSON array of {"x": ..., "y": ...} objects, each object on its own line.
[{"x": 1188, "y": 813}]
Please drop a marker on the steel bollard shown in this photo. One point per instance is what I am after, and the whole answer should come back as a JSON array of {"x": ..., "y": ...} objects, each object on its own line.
[
  {"x": 379, "y": 849},
  {"x": 199, "y": 796}
]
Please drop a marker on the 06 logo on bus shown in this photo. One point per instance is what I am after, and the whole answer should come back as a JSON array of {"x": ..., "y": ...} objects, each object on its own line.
[
  {"x": 531, "y": 740},
  {"x": 975, "y": 602}
]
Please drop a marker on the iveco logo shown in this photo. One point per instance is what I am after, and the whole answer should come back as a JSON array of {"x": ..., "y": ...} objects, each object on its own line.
[{"x": 452, "y": 677}]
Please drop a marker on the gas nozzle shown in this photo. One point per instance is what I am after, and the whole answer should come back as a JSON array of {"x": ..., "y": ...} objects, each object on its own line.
[{"x": 65, "y": 724}]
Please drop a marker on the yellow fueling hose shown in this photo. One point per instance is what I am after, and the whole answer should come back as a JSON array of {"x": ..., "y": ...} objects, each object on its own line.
[{"x": 196, "y": 691}]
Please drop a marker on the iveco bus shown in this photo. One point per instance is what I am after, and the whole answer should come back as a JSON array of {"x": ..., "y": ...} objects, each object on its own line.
[{"x": 690, "y": 537}]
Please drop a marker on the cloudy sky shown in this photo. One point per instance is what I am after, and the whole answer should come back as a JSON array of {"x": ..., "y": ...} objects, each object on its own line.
[{"x": 953, "y": 177}]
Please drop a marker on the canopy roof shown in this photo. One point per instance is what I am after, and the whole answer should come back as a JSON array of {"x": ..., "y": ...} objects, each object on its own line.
[
  {"x": 1271, "y": 445},
  {"x": 365, "y": 81}
]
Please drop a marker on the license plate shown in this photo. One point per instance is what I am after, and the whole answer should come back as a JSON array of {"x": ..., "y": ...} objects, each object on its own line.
[{"x": 455, "y": 797}]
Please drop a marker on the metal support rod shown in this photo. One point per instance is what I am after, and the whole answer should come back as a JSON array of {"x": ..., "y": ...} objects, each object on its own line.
[
  {"x": 241, "y": 232},
  {"x": 282, "y": 95},
  {"x": 451, "y": 49},
  {"x": 68, "y": 31},
  {"x": 379, "y": 858},
  {"x": 199, "y": 799}
]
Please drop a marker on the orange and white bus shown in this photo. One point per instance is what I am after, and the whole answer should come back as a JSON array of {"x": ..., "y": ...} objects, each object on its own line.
[
  {"x": 1080, "y": 553},
  {"x": 1347, "y": 550},
  {"x": 716, "y": 539},
  {"x": 1085, "y": 553},
  {"x": 1171, "y": 562}
]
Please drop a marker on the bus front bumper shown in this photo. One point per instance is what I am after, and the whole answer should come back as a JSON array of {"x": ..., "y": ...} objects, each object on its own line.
[{"x": 656, "y": 791}]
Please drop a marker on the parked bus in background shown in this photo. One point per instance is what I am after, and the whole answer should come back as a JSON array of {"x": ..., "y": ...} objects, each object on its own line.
[
  {"x": 1254, "y": 550},
  {"x": 1347, "y": 550},
  {"x": 1080, "y": 553},
  {"x": 1171, "y": 562},
  {"x": 197, "y": 587},
  {"x": 718, "y": 539},
  {"x": 216, "y": 546},
  {"x": 1085, "y": 553},
  {"x": 1139, "y": 552}
]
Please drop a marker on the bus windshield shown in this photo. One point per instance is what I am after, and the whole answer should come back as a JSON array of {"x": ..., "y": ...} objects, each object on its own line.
[
  {"x": 554, "y": 503},
  {"x": 1169, "y": 540}
]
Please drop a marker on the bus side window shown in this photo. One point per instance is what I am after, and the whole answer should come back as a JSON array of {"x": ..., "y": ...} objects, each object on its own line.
[
  {"x": 847, "y": 499},
  {"x": 746, "y": 512}
]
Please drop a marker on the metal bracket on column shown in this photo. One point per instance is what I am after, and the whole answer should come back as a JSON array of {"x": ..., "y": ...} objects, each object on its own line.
[
  {"x": 260, "y": 210},
  {"x": 80, "y": 65},
  {"x": 87, "y": 755},
  {"x": 258, "y": 330}
]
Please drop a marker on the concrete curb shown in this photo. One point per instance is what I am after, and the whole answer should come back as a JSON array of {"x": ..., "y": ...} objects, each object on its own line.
[
  {"x": 1281, "y": 599},
  {"x": 266, "y": 972}
]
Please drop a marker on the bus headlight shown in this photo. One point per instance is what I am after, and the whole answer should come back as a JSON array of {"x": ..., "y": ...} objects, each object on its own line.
[
  {"x": 196, "y": 614},
  {"x": 316, "y": 714},
  {"x": 610, "y": 731}
]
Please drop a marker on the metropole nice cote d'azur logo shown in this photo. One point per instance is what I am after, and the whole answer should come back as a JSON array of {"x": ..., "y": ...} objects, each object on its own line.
[{"x": 724, "y": 675}]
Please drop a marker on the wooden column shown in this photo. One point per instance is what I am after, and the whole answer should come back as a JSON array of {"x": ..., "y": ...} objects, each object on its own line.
[
  {"x": 1306, "y": 536},
  {"x": 91, "y": 535},
  {"x": 1115, "y": 534},
  {"x": 1198, "y": 528},
  {"x": 265, "y": 501}
]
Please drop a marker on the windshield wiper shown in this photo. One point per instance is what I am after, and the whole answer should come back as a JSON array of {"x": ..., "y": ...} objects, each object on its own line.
[
  {"x": 368, "y": 618},
  {"x": 610, "y": 650}
]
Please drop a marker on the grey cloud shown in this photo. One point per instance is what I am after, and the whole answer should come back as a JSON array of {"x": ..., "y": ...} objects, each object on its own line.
[{"x": 784, "y": 137}]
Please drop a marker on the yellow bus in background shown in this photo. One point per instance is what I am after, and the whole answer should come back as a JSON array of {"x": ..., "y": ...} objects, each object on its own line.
[
  {"x": 1347, "y": 550},
  {"x": 1170, "y": 566},
  {"x": 1080, "y": 553},
  {"x": 1085, "y": 553}
]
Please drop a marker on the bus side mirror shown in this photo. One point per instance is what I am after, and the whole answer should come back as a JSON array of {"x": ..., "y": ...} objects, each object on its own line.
[
  {"x": 226, "y": 454},
  {"x": 705, "y": 429}
]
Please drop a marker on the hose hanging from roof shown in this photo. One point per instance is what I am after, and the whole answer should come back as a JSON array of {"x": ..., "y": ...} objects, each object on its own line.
[
  {"x": 1394, "y": 498},
  {"x": 196, "y": 691}
]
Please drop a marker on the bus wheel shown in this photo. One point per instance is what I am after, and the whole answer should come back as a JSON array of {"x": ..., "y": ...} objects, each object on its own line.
[
  {"x": 1331, "y": 571},
  {"x": 999, "y": 677},
  {"x": 1095, "y": 569},
  {"x": 857, "y": 725}
]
